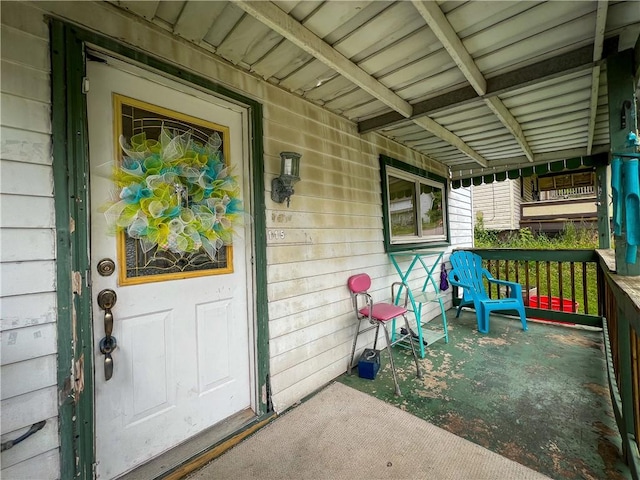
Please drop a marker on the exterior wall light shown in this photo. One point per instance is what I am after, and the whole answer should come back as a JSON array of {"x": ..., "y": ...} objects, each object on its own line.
[{"x": 282, "y": 186}]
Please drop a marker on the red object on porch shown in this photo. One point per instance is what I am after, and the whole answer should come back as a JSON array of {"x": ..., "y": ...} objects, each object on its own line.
[{"x": 543, "y": 302}]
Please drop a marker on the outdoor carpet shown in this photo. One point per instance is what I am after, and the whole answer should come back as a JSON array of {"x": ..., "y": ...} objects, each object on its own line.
[{"x": 343, "y": 433}]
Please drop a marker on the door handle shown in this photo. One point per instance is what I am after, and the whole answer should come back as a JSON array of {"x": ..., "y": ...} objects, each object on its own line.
[{"x": 107, "y": 298}]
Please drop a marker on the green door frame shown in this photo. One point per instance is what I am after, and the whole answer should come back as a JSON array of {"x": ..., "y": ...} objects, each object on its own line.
[{"x": 71, "y": 193}]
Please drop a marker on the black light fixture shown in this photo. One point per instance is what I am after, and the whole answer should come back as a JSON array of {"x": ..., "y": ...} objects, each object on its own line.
[{"x": 282, "y": 186}]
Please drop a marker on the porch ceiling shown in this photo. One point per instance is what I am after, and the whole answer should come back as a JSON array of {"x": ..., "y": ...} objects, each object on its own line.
[{"x": 480, "y": 86}]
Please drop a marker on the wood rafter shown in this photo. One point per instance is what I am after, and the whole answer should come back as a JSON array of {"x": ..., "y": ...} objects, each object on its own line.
[
  {"x": 598, "y": 45},
  {"x": 576, "y": 60},
  {"x": 451, "y": 138},
  {"x": 443, "y": 30},
  {"x": 144, "y": 9},
  {"x": 276, "y": 19},
  {"x": 511, "y": 124}
]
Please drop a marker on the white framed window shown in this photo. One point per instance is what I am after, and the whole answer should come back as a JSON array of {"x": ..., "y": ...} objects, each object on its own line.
[{"x": 414, "y": 203}]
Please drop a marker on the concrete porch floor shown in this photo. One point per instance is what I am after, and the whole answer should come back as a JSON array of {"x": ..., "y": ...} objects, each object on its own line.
[{"x": 539, "y": 397}]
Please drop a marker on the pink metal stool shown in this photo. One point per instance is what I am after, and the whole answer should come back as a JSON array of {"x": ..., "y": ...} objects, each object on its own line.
[{"x": 378, "y": 314}]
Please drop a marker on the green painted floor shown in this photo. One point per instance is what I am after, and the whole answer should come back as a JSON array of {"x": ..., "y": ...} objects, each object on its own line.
[{"x": 539, "y": 397}]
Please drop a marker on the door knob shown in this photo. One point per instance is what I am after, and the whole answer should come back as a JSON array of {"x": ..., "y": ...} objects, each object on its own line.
[{"x": 107, "y": 298}]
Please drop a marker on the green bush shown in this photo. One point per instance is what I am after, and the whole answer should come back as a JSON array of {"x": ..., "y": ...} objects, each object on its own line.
[{"x": 572, "y": 237}]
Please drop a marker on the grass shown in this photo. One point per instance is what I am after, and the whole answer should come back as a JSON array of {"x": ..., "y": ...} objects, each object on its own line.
[{"x": 572, "y": 237}]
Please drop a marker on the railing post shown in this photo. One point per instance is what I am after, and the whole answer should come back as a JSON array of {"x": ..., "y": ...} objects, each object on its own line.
[
  {"x": 602, "y": 192},
  {"x": 622, "y": 124},
  {"x": 625, "y": 383}
]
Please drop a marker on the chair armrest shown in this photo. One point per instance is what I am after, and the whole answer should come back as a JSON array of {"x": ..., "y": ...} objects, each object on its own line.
[
  {"x": 401, "y": 285},
  {"x": 368, "y": 303},
  {"x": 503, "y": 282},
  {"x": 491, "y": 278},
  {"x": 515, "y": 288}
]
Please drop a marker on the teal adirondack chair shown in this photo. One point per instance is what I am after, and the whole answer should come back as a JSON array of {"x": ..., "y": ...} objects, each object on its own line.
[{"x": 467, "y": 273}]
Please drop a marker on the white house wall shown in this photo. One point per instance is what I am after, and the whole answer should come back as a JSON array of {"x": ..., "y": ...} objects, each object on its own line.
[
  {"x": 28, "y": 298},
  {"x": 496, "y": 202},
  {"x": 333, "y": 228},
  {"x": 518, "y": 198}
]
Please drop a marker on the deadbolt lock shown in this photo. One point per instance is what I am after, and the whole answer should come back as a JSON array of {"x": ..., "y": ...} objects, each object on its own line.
[{"x": 106, "y": 267}]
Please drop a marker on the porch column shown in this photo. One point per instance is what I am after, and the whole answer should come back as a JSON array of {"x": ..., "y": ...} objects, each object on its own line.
[
  {"x": 622, "y": 123},
  {"x": 602, "y": 192}
]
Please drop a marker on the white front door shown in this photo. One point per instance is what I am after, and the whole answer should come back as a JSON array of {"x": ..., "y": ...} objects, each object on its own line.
[{"x": 182, "y": 321}]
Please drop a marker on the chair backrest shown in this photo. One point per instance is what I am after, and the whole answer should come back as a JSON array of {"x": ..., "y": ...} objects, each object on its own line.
[
  {"x": 467, "y": 267},
  {"x": 359, "y": 283}
]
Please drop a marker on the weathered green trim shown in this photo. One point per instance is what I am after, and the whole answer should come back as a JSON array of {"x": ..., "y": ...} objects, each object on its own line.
[
  {"x": 624, "y": 374},
  {"x": 628, "y": 317},
  {"x": 604, "y": 223},
  {"x": 633, "y": 456},
  {"x": 260, "y": 223},
  {"x": 139, "y": 56},
  {"x": 636, "y": 59},
  {"x": 616, "y": 401},
  {"x": 564, "y": 255},
  {"x": 388, "y": 246},
  {"x": 75, "y": 339},
  {"x": 78, "y": 161},
  {"x": 598, "y": 159},
  {"x": 629, "y": 442},
  {"x": 577, "y": 318},
  {"x": 529, "y": 255},
  {"x": 621, "y": 88},
  {"x": 66, "y": 408},
  {"x": 70, "y": 111}
]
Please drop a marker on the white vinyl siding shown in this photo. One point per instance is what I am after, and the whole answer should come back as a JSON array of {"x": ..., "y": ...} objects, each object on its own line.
[
  {"x": 27, "y": 257},
  {"x": 497, "y": 204},
  {"x": 515, "y": 202},
  {"x": 332, "y": 229},
  {"x": 460, "y": 218}
]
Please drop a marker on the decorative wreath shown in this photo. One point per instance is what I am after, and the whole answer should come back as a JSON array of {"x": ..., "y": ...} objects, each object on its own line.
[{"x": 176, "y": 193}]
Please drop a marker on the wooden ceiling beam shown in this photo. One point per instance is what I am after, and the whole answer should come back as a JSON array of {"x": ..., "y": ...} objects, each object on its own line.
[
  {"x": 451, "y": 138},
  {"x": 560, "y": 65},
  {"x": 510, "y": 123},
  {"x": 598, "y": 46},
  {"x": 146, "y": 9},
  {"x": 593, "y": 106},
  {"x": 444, "y": 32},
  {"x": 276, "y": 19}
]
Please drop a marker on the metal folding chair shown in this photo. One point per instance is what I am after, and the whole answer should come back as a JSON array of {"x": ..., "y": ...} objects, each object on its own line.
[{"x": 378, "y": 314}]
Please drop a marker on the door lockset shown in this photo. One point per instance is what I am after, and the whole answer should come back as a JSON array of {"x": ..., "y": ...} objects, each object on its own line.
[
  {"x": 107, "y": 298},
  {"x": 106, "y": 267}
]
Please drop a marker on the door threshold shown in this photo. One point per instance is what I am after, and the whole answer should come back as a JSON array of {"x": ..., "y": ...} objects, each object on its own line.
[{"x": 200, "y": 449}]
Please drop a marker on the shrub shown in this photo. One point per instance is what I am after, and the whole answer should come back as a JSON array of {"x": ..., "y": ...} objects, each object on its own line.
[{"x": 571, "y": 237}]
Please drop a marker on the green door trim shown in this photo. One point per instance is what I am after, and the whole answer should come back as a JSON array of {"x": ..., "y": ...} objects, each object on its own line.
[
  {"x": 70, "y": 161},
  {"x": 70, "y": 194}
]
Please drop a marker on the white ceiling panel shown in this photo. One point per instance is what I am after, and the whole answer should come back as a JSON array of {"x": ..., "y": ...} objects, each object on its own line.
[{"x": 377, "y": 62}]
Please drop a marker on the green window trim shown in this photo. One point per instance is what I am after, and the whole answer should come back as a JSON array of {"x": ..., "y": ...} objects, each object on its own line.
[{"x": 410, "y": 185}]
